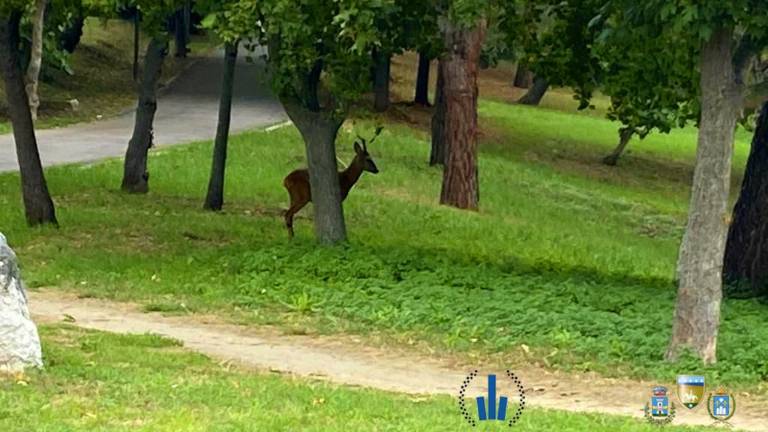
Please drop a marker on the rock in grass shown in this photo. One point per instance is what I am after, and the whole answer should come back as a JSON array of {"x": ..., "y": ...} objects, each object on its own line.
[{"x": 19, "y": 341}]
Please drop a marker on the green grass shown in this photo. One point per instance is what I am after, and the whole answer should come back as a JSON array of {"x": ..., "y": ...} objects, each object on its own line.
[
  {"x": 103, "y": 78},
  {"x": 104, "y": 382},
  {"x": 571, "y": 258}
]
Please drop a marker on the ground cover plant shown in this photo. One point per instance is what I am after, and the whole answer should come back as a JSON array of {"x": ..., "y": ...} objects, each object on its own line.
[{"x": 571, "y": 259}]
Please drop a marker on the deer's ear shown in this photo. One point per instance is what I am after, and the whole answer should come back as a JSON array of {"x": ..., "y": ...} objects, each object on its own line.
[{"x": 358, "y": 149}]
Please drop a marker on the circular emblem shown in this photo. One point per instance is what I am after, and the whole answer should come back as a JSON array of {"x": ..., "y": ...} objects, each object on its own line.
[
  {"x": 489, "y": 407},
  {"x": 721, "y": 405}
]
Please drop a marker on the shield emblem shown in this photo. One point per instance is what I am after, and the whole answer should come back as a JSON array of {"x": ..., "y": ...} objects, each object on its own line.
[
  {"x": 690, "y": 390},
  {"x": 659, "y": 402},
  {"x": 721, "y": 405}
]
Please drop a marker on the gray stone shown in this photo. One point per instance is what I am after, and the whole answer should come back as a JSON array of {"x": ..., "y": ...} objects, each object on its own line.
[{"x": 19, "y": 341}]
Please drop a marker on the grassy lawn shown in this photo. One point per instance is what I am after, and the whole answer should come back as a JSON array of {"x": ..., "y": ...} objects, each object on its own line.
[
  {"x": 105, "y": 382},
  {"x": 573, "y": 259},
  {"x": 103, "y": 78}
]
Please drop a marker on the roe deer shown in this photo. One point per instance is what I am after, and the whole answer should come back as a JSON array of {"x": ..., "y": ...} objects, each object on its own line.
[{"x": 297, "y": 182}]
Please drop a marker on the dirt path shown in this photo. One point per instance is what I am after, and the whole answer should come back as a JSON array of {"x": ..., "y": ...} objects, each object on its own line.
[{"x": 347, "y": 361}]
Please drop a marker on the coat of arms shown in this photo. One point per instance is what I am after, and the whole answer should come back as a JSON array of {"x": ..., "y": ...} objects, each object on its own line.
[{"x": 690, "y": 390}]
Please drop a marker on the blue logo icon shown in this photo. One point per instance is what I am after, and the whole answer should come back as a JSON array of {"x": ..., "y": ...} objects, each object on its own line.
[
  {"x": 492, "y": 406},
  {"x": 492, "y": 414},
  {"x": 722, "y": 406}
]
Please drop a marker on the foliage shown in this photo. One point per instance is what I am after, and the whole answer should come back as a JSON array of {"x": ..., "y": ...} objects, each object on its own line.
[{"x": 564, "y": 256}]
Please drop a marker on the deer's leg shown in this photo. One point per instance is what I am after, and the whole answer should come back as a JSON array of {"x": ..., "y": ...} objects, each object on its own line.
[{"x": 295, "y": 207}]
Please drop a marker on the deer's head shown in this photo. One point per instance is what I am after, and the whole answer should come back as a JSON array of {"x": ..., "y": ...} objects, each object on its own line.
[{"x": 362, "y": 155}]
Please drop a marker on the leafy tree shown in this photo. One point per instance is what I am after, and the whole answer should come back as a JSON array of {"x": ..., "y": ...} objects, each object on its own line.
[
  {"x": 724, "y": 35},
  {"x": 38, "y": 204},
  {"x": 319, "y": 61},
  {"x": 649, "y": 90}
]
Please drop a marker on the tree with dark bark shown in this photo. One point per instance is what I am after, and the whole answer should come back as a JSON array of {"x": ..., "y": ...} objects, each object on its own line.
[
  {"x": 459, "y": 66},
  {"x": 523, "y": 76},
  {"x": 154, "y": 19},
  {"x": 214, "y": 200},
  {"x": 72, "y": 33},
  {"x": 38, "y": 205},
  {"x": 421, "y": 96},
  {"x": 438, "y": 149},
  {"x": 135, "y": 173},
  {"x": 535, "y": 94},
  {"x": 382, "y": 64},
  {"x": 745, "y": 267},
  {"x": 625, "y": 134}
]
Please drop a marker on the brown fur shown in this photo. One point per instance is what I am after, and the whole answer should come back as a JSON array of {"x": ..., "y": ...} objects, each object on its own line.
[{"x": 299, "y": 190}]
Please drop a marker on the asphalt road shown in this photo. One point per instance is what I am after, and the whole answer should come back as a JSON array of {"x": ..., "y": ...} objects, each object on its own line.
[{"x": 187, "y": 111}]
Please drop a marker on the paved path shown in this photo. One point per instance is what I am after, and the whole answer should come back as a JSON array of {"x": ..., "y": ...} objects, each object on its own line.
[
  {"x": 346, "y": 360},
  {"x": 187, "y": 111}
]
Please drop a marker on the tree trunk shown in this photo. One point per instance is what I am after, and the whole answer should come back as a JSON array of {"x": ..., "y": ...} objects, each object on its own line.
[
  {"x": 71, "y": 35},
  {"x": 437, "y": 154},
  {"x": 625, "y": 135},
  {"x": 319, "y": 130},
  {"x": 215, "y": 198},
  {"x": 382, "y": 65},
  {"x": 135, "y": 175},
  {"x": 536, "y": 92},
  {"x": 746, "y": 263},
  {"x": 37, "y": 200},
  {"x": 460, "y": 68},
  {"x": 523, "y": 76},
  {"x": 697, "y": 312},
  {"x": 36, "y": 57},
  {"x": 422, "y": 81},
  {"x": 180, "y": 32},
  {"x": 136, "y": 42}
]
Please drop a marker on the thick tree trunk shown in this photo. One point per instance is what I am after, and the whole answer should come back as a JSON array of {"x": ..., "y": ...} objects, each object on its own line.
[
  {"x": 625, "y": 135},
  {"x": 746, "y": 251},
  {"x": 536, "y": 92},
  {"x": 319, "y": 130},
  {"x": 214, "y": 200},
  {"x": 523, "y": 76},
  {"x": 697, "y": 312},
  {"x": 37, "y": 200},
  {"x": 437, "y": 154},
  {"x": 422, "y": 80},
  {"x": 460, "y": 68},
  {"x": 135, "y": 175},
  {"x": 32, "y": 77},
  {"x": 382, "y": 65},
  {"x": 71, "y": 35}
]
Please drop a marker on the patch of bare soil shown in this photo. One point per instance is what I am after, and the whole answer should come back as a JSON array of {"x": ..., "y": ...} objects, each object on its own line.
[{"x": 348, "y": 361}]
